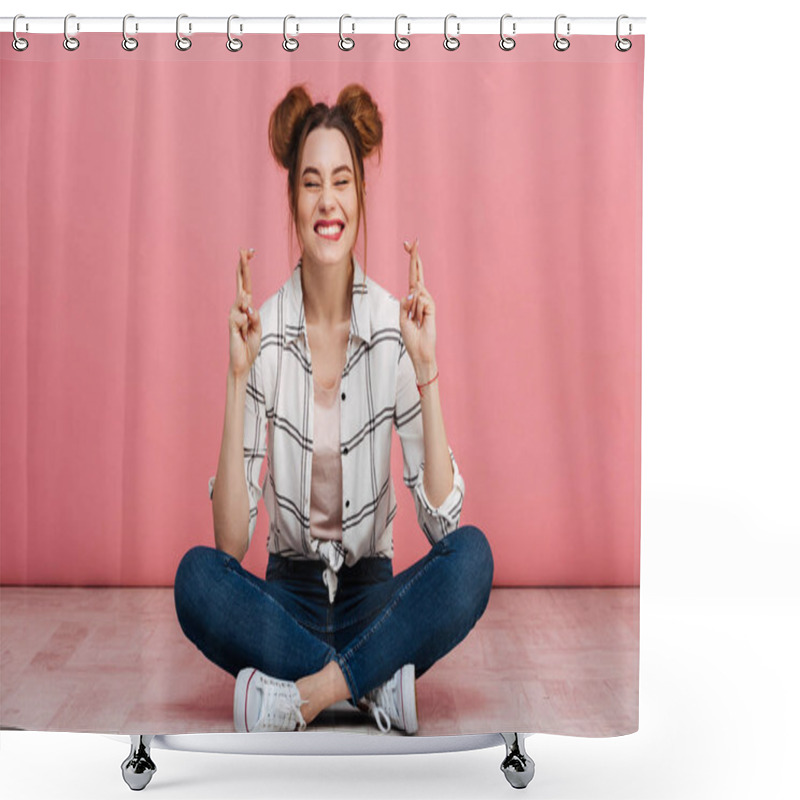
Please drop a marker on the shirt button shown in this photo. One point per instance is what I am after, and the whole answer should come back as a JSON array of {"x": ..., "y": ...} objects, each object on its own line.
[
  {"x": 344, "y": 396},
  {"x": 347, "y": 504},
  {"x": 345, "y": 451}
]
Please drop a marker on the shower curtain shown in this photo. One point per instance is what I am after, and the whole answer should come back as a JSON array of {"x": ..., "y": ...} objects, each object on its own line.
[{"x": 130, "y": 179}]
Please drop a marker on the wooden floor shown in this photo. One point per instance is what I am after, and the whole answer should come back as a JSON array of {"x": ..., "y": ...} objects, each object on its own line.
[{"x": 116, "y": 661}]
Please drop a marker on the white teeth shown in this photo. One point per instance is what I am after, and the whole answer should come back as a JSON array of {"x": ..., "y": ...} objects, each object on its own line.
[{"x": 329, "y": 230}]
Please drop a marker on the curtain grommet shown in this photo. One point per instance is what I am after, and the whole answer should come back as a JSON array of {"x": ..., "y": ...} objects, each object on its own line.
[
  {"x": 233, "y": 44},
  {"x": 507, "y": 42},
  {"x": 401, "y": 42},
  {"x": 345, "y": 42},
  {"x": 17, "y": 42},
  {"x": 451, "y": 43},
  {"x": 71, "y": 42},
  {"x": 561, "y": 43},
  {"x": 182, "y": 42},
  {"x": 129, "y": 43},
  {"x": 290, "y": 44},
  {"x": 623, "y": 45}
]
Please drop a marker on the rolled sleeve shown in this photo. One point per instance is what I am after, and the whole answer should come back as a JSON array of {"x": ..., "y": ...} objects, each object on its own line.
[{"x": 438, "y": 521}]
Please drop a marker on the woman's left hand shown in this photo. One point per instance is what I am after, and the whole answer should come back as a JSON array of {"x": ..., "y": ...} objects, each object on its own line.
[{"x": 417, "y": 317}]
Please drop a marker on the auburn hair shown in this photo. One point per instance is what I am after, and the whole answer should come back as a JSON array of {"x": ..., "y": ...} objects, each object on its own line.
[{"x": 354, "y": 114}]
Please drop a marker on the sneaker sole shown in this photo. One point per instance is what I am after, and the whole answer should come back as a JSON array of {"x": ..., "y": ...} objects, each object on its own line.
[
  {"x": 243, "y": 681},
  {"x": 408, "y": 699}
]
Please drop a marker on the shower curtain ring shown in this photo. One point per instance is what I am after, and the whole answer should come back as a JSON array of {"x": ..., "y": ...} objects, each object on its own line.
[
  {"x": 400, "y": 42},
  {"x": 233, "y": 44},
  {"x": 17, "y": 42},
  {"x": 290, "y": 44},
  {"x": 182, "y": 42},
  {"x": 70, "y": 42},
  {"x": 451, "y": 42},
  {"x": 623, "y": 45},
  {"x": 345, "y": 42},
  {"x": 128, "y": 42},
  {"x": 561, "y": 43},
  {"x": 506, "y": 42}
]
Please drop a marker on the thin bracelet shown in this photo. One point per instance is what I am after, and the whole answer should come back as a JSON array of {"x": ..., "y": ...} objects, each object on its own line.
[{"x": 420, "y": 386}]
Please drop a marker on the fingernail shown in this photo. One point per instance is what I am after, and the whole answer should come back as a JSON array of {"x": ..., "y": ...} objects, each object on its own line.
[
  {"x": 252, "y": 249},
  {"x": 250, "y": 310},
  {"x": 409, "y": 314},
  {"x": 405, "y": 243},
  {"x": 410, "y": 296}
]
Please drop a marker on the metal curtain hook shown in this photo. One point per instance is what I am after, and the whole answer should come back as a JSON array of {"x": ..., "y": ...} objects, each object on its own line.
[
  {"x": 17, "y": 42},
  {"x": 182, "y": 42},
  {"x": 506, "y": 42},
  {"x": 70, "y": 42},
  {"x": 623, "y": 45},
  {"x": 560, "y": 42},
  {"x": 345, "y": 43},
  {"x": 451, "y": 42},
  {"x": 400, "y": 42},
  {"x": 128, "y": 42},
  {"x": 290, "y": 44},
  {"x": 233, "y": 44}
]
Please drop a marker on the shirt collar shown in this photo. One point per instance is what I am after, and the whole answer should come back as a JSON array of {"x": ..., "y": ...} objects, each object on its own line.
[{"x": 294, "y": 322}]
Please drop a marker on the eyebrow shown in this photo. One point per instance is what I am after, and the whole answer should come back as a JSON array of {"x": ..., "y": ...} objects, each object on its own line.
[{"x": 340, "y": 168}]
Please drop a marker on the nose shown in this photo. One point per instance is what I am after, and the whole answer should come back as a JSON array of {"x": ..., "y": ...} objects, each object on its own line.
[{"x": 326, "y": 196}]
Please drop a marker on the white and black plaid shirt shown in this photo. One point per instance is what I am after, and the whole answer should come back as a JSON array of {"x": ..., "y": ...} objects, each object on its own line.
[{"x": 378, "y": 390}]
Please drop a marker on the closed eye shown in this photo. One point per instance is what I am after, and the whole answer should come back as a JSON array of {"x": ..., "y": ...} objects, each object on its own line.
[{"x": 311, "y": 185}]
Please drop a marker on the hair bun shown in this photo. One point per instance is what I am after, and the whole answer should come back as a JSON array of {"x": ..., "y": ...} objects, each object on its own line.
[
  {"x": 358, "y": 105},
  {"x": 285, "y": 123}
]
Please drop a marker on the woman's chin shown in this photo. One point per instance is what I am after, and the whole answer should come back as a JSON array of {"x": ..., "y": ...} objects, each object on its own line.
[{"x": 326, "y": 255}]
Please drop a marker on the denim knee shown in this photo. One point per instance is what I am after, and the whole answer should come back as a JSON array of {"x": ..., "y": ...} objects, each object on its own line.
[
  {"x": 475, "y": 565},
  {"x": 193, "y": 564},
  {"x": 192, "y": 575}
]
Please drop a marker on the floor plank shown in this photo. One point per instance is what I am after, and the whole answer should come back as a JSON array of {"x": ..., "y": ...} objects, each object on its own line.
[{"x": 550, "y": 660}]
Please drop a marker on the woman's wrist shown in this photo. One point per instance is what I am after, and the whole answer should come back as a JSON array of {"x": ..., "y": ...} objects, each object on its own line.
[
  {"x": 425, "y": 372},
  {"x": 239, "y": 380}
]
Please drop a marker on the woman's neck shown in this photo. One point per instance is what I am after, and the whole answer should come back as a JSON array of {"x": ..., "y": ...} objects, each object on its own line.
[{"x": 327, "y": 292}]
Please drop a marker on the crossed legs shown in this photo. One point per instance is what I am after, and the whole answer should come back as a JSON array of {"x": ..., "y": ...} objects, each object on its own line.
[{"x": 237, "y": 620}]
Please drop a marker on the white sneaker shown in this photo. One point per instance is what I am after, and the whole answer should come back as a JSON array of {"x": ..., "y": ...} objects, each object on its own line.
[
  {"x": 262, "y": 703},
  {"x": 394, "y": 702}
]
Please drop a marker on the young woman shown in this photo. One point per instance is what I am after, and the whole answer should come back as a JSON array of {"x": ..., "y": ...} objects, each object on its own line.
[{"x": 317, "y": 378}]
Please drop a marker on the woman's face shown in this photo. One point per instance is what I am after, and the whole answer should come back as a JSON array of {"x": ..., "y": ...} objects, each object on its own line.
[{"x": 327, "y": 202}]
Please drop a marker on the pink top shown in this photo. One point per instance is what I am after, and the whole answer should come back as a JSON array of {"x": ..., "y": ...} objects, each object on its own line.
[{"x": 326, "y": 464}]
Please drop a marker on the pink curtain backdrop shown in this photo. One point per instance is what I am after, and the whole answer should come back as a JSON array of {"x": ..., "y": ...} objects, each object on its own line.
[{"x": 130, "y": 180}]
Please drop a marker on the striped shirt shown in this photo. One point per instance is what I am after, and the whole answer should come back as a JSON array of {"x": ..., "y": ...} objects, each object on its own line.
[{"x": 378, "y": 392}]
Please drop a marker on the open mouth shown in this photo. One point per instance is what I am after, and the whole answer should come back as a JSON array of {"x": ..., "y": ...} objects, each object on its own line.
[{"x": 330, "y": 230}]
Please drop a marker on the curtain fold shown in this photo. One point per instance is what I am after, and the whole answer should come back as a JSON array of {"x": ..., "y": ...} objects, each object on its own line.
[{"x": 129, "y": 182}]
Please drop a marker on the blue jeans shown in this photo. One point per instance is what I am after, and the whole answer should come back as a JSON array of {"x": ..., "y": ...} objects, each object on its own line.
[{"x": 286, "y": 627}]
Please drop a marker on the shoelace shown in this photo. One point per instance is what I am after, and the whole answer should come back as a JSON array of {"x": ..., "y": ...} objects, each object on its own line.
[
  {"x": 381, "y": 717},
  {"x": 284, "y": 707},
  {"x": 385, "y": 698}
]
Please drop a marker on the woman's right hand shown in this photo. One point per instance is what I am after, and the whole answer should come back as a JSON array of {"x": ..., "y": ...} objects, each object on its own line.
[{"x": 244, "y": 323}]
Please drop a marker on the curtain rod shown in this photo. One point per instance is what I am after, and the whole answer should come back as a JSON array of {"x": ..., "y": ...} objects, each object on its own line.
[{"x": 512, "y": 26}]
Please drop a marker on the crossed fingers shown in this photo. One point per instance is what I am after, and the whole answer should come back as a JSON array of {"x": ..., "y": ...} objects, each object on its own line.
[
  {"x": 244, "y": 298},
  {"x": 420, "y": 298}
]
